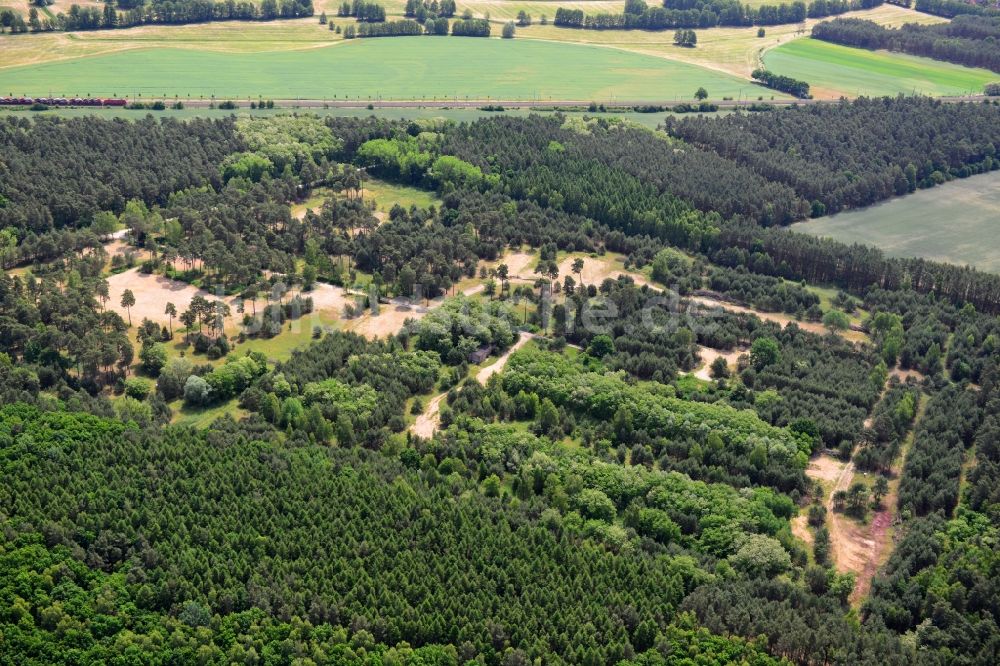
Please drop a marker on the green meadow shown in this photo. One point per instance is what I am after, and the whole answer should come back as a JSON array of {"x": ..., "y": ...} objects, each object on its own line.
[
  {"x": 957, "y": 222},
  {"x": 388, "y": 68},
  {"x": 831, "y": 68}
]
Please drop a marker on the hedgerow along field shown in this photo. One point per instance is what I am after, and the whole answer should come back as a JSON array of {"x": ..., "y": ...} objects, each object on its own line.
[
  {"x": 956, "y": 223},
  {"x": 842, "y": 70},
  {"x": 398, "y": 68}
]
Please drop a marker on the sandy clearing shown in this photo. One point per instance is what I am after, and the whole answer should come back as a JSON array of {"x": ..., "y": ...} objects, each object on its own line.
[
  {"x": 597, "y": 269},
  {"x": 389, "y": 320},
  {"x": 117, "y": 246},
  {"x": 800, "y": 529},
  {"x": 518, "y": 265},
  {"x": 152, "y": 293},
  {"x": 903, "y": 375},
  {"x": 427, "y": 423},
  {"x": 708, "y": 356},
  {"x": 850, "y": 542},
  {"x": 854, "y": 547},
  {"x": 825, "y": 468},
  {"x": 327, "y": 298}
]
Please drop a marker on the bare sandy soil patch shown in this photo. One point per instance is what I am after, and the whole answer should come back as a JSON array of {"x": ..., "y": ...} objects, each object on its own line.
[
  {"x": 152, "y": 293},
  {"x": 854, "y": 547},
  {"x": 825, "y": 469},
  {"x": 518, "y": 265},
  {"x": 708, "y": 356},
  {"x": 327, "y": 298},
  {"x": 903, "y": 375},
  {"x": 389, "y": 320},
  {"x": 597, "y": 269},
  {"x": 427, "y": 423},
  {"x": 850, "y": 542},
  {"x": 800, "y": 529}
]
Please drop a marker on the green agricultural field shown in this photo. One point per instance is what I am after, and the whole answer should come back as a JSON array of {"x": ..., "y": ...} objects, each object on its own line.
[
  {"x": 957, "y": 222},
  {"x": 390, "y": 68},
  {"x": 831, "y": 68}
]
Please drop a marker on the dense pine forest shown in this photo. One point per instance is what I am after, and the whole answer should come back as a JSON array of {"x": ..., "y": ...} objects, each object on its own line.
[{"x": 631, "y": 369}]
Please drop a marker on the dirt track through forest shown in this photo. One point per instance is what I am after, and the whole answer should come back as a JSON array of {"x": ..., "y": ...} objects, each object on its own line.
[{"x": 427, "y": 423}]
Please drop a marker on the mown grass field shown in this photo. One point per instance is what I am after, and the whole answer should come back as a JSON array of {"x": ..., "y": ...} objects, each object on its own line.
[
  {"x": 834, "y": 69},
  {"x": 397, "y": 68},
  {"x": 386, "y": 195},
  {"x": 957, "y": 222}
]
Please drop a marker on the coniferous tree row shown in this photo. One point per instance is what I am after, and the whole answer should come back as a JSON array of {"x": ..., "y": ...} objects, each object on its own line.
[
  {"x": 953, "y": 8},
  {"x": 856, "y": 268},
  {"x": 953, "y": 546},
  {"x": 795, "y": 146},
  {"x": 786, "y": 84},
  {"x": 966, "y": 40},
  {"x": 705, "y": 14}
]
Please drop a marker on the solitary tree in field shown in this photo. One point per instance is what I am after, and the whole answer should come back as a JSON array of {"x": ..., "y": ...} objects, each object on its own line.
[
  {"x": 128, "y": 300},
  {"x": 701, "y": 94},
  {"x": 578, "y": 269},
  {"x": 171, "y": 312}
]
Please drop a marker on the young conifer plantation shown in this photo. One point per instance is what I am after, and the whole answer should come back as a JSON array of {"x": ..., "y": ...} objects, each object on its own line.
[{"x": 540, "y": 389}]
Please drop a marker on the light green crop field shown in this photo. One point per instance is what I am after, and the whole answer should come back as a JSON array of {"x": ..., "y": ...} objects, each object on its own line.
[
  {"x": 957, "y": 222},
  {"x": 388, "y": 68},
  {"x": 831, "y": 68}
]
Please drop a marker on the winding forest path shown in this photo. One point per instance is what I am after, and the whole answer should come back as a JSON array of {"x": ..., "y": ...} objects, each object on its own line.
[{"x": 427, "y": 423}]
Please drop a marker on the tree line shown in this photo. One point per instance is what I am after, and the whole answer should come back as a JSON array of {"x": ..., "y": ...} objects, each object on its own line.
[
  {"x": 953, "y": 8},
  {"x": 637, "y": 15},
  {"x": 965, "y": 40},
  {"x": 127, "y": 14}
]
